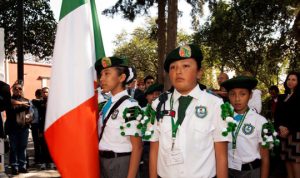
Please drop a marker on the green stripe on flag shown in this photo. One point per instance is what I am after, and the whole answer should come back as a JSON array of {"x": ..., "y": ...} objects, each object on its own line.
[
  {"x": 99, "y": 48},
  {"x": 69, "y": 5}
]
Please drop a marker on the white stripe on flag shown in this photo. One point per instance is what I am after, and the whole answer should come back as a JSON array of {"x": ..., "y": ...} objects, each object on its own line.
[{"x": 72, "y": 79}]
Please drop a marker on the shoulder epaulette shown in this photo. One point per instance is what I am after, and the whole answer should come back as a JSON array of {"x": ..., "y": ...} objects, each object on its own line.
[{"x": 162, "y": 99}]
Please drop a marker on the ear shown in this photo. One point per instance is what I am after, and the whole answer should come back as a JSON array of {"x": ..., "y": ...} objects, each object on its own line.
[
  {"x": 122, "y": 78},
  {"x": 199, "y": 74}
]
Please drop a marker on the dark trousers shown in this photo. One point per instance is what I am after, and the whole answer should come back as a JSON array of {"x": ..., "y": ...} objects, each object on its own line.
[
  {"x": 36, "y": 143},
  {"x": 254, "y": 173},
  {"x": 115, "y": 167},
  {"x": 18, "y": 143},
  {"x": 45, "y": 155},
  {"x": 144, "y": 167}
]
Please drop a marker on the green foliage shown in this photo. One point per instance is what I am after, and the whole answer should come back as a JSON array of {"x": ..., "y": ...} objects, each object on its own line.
[
  {"x": 39, "y": 27},
  {"x": 140, "y": 48},
  {"x": 167, "y": 26},
  {"x": 250, "y": 35},
  {"x": 130, "y": 8}
]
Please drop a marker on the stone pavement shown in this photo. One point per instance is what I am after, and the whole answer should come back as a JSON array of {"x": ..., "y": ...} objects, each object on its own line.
[{"x": 33, "y": 170}]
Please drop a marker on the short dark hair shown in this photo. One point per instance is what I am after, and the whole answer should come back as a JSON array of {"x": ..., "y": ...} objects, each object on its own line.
[
  {"x": 122, "y": 70},
  {"x": 274, "y": 88},
  {"x": 148, "y": 78},
  {"x": 38, "y": 93}
]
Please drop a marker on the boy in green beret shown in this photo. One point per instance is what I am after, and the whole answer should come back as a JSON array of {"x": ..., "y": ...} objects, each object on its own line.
[
  {"x": 153, "y": 91},
  {"x": 187, "y": 139},
  {"x": 248, "y": 155},
  {"x": 120, "y": 144}
]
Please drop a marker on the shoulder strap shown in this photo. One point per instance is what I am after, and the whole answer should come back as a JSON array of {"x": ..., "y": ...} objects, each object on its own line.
[
  {"x": 162, "y": 99},
  {"x": 115, "y": 106}
]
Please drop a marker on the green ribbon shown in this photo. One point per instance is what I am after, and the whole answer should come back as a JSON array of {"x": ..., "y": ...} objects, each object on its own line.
[
  {"x": 184, "y": 102},
  {"x": 235, "y": 134}
]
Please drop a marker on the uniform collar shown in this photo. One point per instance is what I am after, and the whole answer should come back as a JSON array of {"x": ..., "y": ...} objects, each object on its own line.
[
  {"x": 250, "y": 111},
  {"x": 195, "y": 93},
  {"x": 119, "y": 95}
]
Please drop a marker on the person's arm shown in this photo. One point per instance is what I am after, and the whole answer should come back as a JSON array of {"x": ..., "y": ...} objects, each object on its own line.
[
  {"x": 153, "y": 159},
  {"x": 221, "y": 159},
  {"x": 135, "y": 158},
  {"x": 22, "y": 103},
  {"x": 265, "y": 162},
  {"x": 19, "y": 106}
]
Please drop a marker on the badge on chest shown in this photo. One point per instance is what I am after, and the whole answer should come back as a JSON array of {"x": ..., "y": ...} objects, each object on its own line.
[
  {"x": 201, "y": 111},
  {"x": 114, "y": 115},
  {"x": 248, "y": 129}
]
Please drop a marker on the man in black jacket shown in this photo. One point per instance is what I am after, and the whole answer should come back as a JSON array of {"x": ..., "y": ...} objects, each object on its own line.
[
  {"x": 5, "y": 104},
  {"x": 17, "y": 128}
]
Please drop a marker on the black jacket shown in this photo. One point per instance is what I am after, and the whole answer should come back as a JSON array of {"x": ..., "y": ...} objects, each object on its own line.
[
  {"x": 11, "y": 124},
  {"x": 288, "y": 113},
  {"x": 5, "y": 103}
]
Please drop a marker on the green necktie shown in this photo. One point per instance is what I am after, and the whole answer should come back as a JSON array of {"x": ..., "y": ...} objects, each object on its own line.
[{"x": 184, "y": 102}]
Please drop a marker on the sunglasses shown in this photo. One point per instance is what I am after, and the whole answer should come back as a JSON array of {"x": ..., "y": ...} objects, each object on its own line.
[{"x": 18, "y": 88}]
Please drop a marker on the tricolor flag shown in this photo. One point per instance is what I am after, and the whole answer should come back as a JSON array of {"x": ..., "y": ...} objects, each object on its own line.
[{"x": 70, "y": 128}]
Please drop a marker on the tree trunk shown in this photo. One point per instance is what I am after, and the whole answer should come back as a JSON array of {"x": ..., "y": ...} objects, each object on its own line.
[
  {"x": 171, "y": 32},
  {"x": 161, "y": 40}
]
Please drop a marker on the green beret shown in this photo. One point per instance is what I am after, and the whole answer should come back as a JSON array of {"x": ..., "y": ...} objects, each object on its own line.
[
  {"x": 184, "y": 52},
  {"x": 154, "y": 87},
  {"x": 240, "y": 82},
  {"x": 107, "y": 62}
]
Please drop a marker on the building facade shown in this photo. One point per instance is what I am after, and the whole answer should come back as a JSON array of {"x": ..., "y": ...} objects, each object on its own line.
[{"x": 36, "y": 75}]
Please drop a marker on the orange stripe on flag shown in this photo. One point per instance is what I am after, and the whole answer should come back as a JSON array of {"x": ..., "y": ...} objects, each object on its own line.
[{"x": 74, "y": 137}]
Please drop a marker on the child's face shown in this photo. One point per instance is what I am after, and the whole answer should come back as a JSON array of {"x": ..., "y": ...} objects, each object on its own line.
[
  {"x": 152, "y": 96},
  {"x": 239, "y": 98},
  {"x": 141, "y": 86},
  {"x": 183, "y": 75},
  {"x": 149, "y": 82},
  {"x": 110, "y": 80}
]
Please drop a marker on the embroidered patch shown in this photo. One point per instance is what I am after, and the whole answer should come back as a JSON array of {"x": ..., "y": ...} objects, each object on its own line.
[
  {"x": 185, "y": 51},
  {"x": 248, "y": 129},
  {"x": 115, "y": 114},
  {"x": 106, "y": 62},
  {"x": 201, "y": 111}
]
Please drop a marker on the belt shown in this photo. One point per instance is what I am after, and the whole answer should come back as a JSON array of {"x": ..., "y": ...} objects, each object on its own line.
[
  {"x": 252, "y": 165},
  {"x": 111, "y": 154},
  {"x": 161, "y": 177}
]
